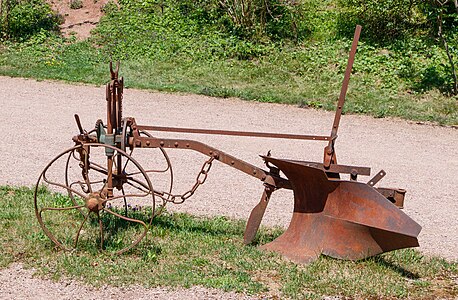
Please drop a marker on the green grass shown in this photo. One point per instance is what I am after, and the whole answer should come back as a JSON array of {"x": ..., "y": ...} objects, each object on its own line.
[
  {"x": 191, "y": 47},
  {"x": 184, "y": 250},
  {"x": 309, "y": 76}
]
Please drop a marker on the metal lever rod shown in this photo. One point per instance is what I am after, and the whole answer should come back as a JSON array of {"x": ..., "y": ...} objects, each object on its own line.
[
  {"x": 78, "y": 123},
  {"x": 329, "y": 153},
  {"x": 236, "y": 133},
  {"x": 343, "y": 91}
]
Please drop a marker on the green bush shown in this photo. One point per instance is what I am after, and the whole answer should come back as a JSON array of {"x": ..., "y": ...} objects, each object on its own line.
[
  {"x": 208, "y": 29},
  {"x": 27, "y": 18},
  {"x": 383, "y": 21}
]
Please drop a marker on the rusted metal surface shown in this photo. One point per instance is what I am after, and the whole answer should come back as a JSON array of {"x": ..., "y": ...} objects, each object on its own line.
[
  {"x": 237, "y": 133},
  {"x": 329, "y": 152},
  {"x": 338, "y": 218},
  {"x": 345, "y": 219}
]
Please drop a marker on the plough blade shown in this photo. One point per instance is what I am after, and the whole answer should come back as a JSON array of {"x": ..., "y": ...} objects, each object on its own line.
[
  {"x": 254, "y": 221},
  {"x": 338, "y": 218}
]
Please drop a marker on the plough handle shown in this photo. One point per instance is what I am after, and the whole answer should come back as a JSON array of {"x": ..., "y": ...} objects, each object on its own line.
[
  {"x": 343, "y": 90},
  {"x": 329, "y": 153}
]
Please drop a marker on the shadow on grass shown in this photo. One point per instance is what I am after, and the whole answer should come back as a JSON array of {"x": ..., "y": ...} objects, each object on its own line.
[
  {"x": 432, "y": 78},
  {"x": 186, "y": 223},
  {"x": 381, "y": 261}
]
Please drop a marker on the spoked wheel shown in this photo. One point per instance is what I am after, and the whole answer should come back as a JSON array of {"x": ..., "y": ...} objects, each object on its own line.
[{"x": 76, "y": 207}]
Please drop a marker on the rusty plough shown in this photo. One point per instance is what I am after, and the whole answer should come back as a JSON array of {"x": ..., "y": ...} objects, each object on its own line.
[{"x": 345, "y": 219}]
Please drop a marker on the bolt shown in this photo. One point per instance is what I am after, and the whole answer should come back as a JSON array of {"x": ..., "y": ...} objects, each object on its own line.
[
  {"x": 161, "y": 143},
  {"x": 187, "y": 145},
  {"x": 176, "y": 144},
  {"x": 232, "y": 162},
  {"x": 254, "y": 172},
  {"x": 148, "y": 143}
]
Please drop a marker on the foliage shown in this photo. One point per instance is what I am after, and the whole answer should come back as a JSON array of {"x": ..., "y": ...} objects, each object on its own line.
[
  {"x": 204, "y": 30},
  {"x": 391, "y": 22},
  {"x": 22, "y": 19},
  {"x": 383, "y": 21},
  {"x": 443, "y": 14},
  {"x": 76, "y": 4},
  {"x": 184, "y": 250},
  {"x": 275, "y": 19},
  {"x": 198, "y": 47}
]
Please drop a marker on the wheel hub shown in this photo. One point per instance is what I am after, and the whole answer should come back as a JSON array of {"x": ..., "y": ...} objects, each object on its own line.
[{"x": 94, "y": 202}]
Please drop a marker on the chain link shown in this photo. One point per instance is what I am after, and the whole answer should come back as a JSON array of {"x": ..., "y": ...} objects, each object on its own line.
[{"x": 201, "y": 178}]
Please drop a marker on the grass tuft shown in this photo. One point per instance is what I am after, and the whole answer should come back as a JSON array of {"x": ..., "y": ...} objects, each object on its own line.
[{"x": 183, "y": 250}]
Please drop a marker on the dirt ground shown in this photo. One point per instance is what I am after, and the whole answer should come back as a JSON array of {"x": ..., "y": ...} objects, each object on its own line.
[
  {"x": 38, "y": 124},
  {"x": 79, "y": 21}
]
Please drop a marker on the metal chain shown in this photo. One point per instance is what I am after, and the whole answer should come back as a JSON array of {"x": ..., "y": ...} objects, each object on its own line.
[{"x": 201, "y": 177}]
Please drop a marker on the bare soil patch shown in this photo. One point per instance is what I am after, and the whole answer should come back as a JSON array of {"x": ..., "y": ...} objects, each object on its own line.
[{"x": 80, "y": 18}]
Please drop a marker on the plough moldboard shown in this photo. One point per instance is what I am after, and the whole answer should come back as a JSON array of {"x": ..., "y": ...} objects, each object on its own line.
[{"x": 107, "y": 186}]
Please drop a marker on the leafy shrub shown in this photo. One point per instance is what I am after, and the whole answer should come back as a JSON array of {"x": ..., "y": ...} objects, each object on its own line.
[
  {"x": 27, "y": 18},
  {"x": 273, "y": 19},
  {"x": 208, "y": 29},
  {"x": 383, "y": 21}
]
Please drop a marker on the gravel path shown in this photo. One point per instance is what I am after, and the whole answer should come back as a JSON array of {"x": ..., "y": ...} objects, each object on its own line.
[{"x": 38, "y": 124}]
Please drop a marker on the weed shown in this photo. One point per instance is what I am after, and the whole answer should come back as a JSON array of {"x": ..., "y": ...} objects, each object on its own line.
[{"x": 76, "y": 4}]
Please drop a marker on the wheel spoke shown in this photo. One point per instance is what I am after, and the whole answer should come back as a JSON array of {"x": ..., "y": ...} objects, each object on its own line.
[
  {"x": 123, "y": 196},
  {"x": 81, "y": 184},
  {"x": 127, "y": 161},
  {"x": 125, "y": 201},
  {"x": 125, "y": 218},
  {"x": 62, "y": 186},
  {"x": 101, "y": 230},
  {"x": 61, "y": 208},
  {"x": 134, "y": 243},
  {"x": 79, "y": 230},
  {"x": 137, "y": 187},
  {"x": 98, "y": 168}
]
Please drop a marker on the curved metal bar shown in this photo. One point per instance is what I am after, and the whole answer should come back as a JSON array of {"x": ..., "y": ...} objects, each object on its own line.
[
  {"x": 125, "y": 201},
  {"x": 61, "y": 208},
  {"x": 101, "y": 230},
  {"x": 70, "y": 154},
  {"x": 63, "y": 186},
  {"x": 91, "y": 182},
  {"x": 137, "y": 187},
  {"x": 47, "y": 232},
  {"x": 79, "y": 230},
  {"x": 126, "y": 195},
  {"x": 130, "y": 220}
]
